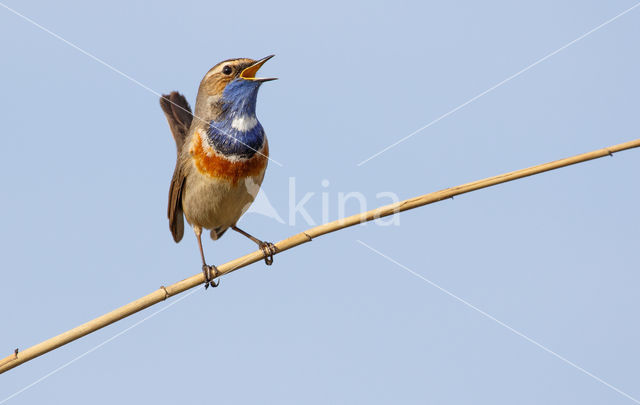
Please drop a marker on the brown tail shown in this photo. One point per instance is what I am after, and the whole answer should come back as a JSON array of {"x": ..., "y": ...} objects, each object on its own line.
[{"x": 178, "y": 113}]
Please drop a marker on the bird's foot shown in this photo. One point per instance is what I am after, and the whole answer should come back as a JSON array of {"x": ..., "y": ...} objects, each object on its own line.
[
  {"x": 269, "y": 249},
  {"x": 210, "y": 273}
]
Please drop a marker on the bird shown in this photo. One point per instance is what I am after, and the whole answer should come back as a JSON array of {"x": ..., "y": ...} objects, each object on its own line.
[{"x": 222, "y": 155}]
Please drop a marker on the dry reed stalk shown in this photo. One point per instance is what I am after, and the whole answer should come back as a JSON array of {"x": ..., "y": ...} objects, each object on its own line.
[{"x": 163, "y": 293}]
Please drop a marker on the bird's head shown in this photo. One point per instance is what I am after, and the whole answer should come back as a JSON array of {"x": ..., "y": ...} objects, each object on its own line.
[{"x": 230, "y": 88}]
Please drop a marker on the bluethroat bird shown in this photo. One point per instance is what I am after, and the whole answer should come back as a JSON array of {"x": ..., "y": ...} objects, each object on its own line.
[{"x": 222, "y": 154}]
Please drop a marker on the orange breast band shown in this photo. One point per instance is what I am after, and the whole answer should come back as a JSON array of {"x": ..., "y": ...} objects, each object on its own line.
[{"x": 215, "y": 165}]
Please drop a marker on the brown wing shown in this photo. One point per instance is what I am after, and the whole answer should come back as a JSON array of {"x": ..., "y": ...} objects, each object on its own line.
[
  {"x": 174, "y": 211},
  {"x": 178, "y": 113}
]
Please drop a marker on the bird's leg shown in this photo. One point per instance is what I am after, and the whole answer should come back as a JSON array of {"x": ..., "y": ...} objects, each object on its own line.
[
  {"x": 268, "y": 248},
  {"x": 209, "y": 276}
]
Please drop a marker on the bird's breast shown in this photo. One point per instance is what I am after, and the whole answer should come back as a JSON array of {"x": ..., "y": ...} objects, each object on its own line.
[{"x": 229, "y": 168}]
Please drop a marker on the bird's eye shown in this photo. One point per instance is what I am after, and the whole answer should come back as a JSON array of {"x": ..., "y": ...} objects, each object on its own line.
[{"x": 227, "y": 70}]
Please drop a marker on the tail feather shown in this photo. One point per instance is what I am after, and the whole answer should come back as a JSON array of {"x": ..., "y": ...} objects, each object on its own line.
[{"x": 179, "y": 115}]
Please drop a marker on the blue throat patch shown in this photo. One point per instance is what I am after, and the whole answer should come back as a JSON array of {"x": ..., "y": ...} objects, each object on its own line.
[{"x": 238, "y": 102}]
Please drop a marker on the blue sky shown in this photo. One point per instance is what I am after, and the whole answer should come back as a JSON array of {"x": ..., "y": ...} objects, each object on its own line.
[{"x": 88, "y": 159}]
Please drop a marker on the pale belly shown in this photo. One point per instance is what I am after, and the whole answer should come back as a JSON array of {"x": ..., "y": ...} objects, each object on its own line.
[
  {"x": 218, "y": 191},
  {"x": 217, "y": 204}
]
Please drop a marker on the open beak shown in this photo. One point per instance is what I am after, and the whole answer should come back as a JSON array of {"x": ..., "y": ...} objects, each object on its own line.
[{"x": 250, "y": 72}]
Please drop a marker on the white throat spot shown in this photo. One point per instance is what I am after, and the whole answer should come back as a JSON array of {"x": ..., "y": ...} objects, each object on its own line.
[{"x": 244, "y": 123}]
